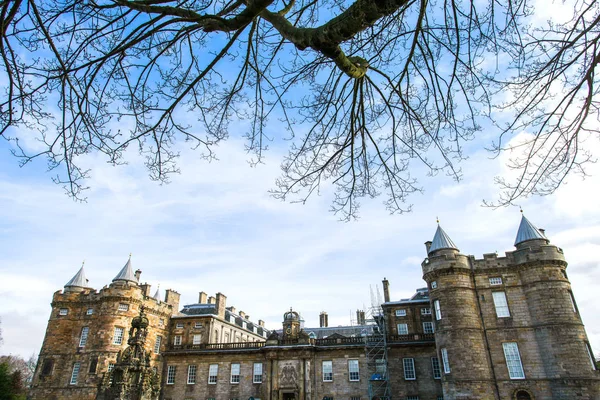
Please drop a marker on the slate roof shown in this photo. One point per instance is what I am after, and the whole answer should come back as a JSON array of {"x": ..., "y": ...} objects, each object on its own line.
[
  {"x": 421, "y": 296},
  {"x": 441, "y": 240},
  {"x": 79, "y": 280},
  {"x": 338, "y": 331},
  {"x": 126, "y": 273},
  {"x": 528, "y": 231},
  {"x": 211, "y": 309}
]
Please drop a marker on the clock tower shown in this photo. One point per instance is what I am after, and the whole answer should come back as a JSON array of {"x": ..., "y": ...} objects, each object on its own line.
[{"x": 291, "y": 325}]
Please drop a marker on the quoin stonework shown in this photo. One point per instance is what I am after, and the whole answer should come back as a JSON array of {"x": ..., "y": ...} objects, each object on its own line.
[{"x": 493, "y": 328}]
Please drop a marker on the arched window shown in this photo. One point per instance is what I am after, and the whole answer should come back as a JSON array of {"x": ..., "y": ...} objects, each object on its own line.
[{"x": 523, "y": 395}]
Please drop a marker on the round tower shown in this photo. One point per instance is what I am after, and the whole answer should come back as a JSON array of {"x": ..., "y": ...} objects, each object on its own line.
[
  {"x": 459, "y": 335},
  {"x": 556, "y": 334}
]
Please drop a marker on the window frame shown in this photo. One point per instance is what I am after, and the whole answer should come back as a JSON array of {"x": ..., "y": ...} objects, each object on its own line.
[
  {"x": 191, "y": 377},
  {"x": 234, "y": 377},
  {"x": 436, "y": 367},
  {"x": 171, "y": 373},
  {"x": 496, "y": 281},
  {"x": 197, "y": 338},
  {"x": 438, "y": 310},
  {"x": 83, "y": 336},
  {"x": 353, "y": 370},
  {"x": 257, "y": 373},
  {"x": 409, "y": 370},
  {"x": 63, "y": 311},
  {"x": 157, "y": 344},
  {"x": 401, "y": 312},
  {"x": 445, "y": 361},
  {"x": 501, "y": 304},
  {"x": 123, "y": 307},
  {"x": 75, "y": 373},
  {"x": 118, "y": 339},
  {"x": 177, "y": 340},
  {"x": 213, "y": 373},
  {"x": 590, "y": 353},
  {"x": 426, "y": 311},
  {"x": 89, "y": 311},
  {"x": 327, "y": 371},
  {"x": 513, "y": 360},
  {"x": 404, "y": 330},
  {"x": 428, "y": 323}
]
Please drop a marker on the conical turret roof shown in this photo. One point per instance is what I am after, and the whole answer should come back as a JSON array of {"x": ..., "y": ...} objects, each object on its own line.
[
  {"x": 79, "y": 280},
  {"x": 441, "y": 240},
  {"x": 528, "y": 231},
  {"x": 157, "y": 294},
  {"x": 126, "y": 273}
]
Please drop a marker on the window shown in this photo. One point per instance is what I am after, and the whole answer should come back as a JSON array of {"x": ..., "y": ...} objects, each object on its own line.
[
  {"x": 75, "y": 373},
  {"x": 435, "y": 367},
  {"x": 401, "y": 313},
  {"x": 235, "y": 373},
  {"x": 257, "y": 374},
  {"x": 402, "y": 329},
  {"x": 179, "y": 325},
  {"x": 501, "y": 304},
  {"x": 93, "y": 365},
  {"x": 110, "y": 367},
  {"x": 157, "y": 344},
  {"x": 47, "y": 367},
  {"x": 380, "y": 366},
  {"x": 409, "y": 369},
  {"x": 177, "y": 340},
  {"x": 496, "y": 281},
  {"x": 513, "y": 360},
  {"x": 438, "y": 310},
  {"x": 198, "y": 325},
  {"x": 118, "y": 336},
  {"x": 161, "y": 322},
  {"x": 191, "y": 374},
  {"x": 589, "y": 352},
  {"x": 445, "y": 361},
  {"x": 412, "y": 397},
  {"x": 428, "y": 327},
  {"x": 197, "y": 339},
  {"x": 434, "y": 285},
  {"x": 353, "y": 372},
  {"x": 354, "y": 397},
  {"x": 426, "y": 311},
  {"x": 109, "y": 370},
  {"x": 171, "y": 370},
  {"x": 123, "y": 307},
  {"x": 572, "y": 302},
  {"x": 327, "y": 371},
  {"x": 213, "y": 371},
  {"x": 63, "y": 311},
  {"x": 89, "y": 311},
  {"x": 84, "y": 335}
]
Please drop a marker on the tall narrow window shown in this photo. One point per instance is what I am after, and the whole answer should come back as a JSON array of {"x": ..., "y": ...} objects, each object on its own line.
[
  {"x": 257, "y": 373},
  {"x": 177, "y": 340},
  {"x": 213, "y": 371},
  {"x": 93, "y": 364},
  {"x": 409, "y": 369},
  {"x": 438, "y": 310},
  {"x": 75, "y": 373},
  {"x": 445, "y": 361},
  {"x": 171, "y": 370},
  {"x": 327, "y": 371},
  {"x": 191, "y": 374},
  {"x": 427, "y": 327},
  {"x": 402, "y": 329},
  {"x": 235, "y": 373},
  {"x": 109, "y": 370},
  {"x": 589, "y": 352},
  {"x": 197, "y": 339},
  {"x": 157, "y": 344},
  {"x": 353, "y": 372},
  {"x": 47, "y": 367},
  {"x": 435, "y": 367},
  {"x": 118, "y": 335},
  {"x": 513, "y": 360},
  {"x": 572, "y": 301},
  {"x": 84, "y": 336},
  {"x": 501, "y": 304}
]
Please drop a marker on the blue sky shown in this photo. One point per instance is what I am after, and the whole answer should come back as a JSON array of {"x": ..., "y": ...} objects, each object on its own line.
[{"x": 216, "y": 229}]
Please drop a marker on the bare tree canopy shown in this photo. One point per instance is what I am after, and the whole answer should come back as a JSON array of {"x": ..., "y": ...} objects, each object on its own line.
[{"x": 367, "y": 90}]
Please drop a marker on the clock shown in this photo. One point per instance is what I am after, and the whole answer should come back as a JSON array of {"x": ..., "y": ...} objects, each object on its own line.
[{"x": 288, "y": 330}]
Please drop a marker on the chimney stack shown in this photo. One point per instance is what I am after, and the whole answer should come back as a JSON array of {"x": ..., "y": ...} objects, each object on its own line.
[
  {"x": 137, "y": 275},
  {"x": 261, "y": 323},
  {"x": 323, "y": 320},
  {"x": 427, "y": 246},
  {"x": 202, "y": 298},
  {"x": 242, "y": 314},
  {"x": 212, "y": 300},
  {"x": 172, "y": 298},
  {"x": 360, "y": 317},
  {"x": 386, "y": 290},
  {"x": 220, "y": 303}
]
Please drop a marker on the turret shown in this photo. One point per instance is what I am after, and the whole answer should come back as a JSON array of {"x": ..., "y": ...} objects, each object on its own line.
[
  {"x": 77, "y": 283},
  {"x": 126, "y": 275},
  {"x": 459, "y": 333}
]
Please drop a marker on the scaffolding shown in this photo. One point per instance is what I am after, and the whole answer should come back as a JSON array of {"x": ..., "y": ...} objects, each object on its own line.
[{"x": 376, "y": 352}]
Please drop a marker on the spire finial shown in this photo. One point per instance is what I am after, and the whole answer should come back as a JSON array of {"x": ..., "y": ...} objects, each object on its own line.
[
  {"x": 521, "y": 209},
  {"x": 83, "y": 263},
  {"x": 437, "y": 220},
  {"x": 129, "y": 255}
]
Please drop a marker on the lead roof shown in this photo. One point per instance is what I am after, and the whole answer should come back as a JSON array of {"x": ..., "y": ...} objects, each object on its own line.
[
  {"x": 126, "y": 273},
  {"x": 528, "y": 231},
  {"x": 441, "y": 240},
  {"x": 78, "y": 280}
]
